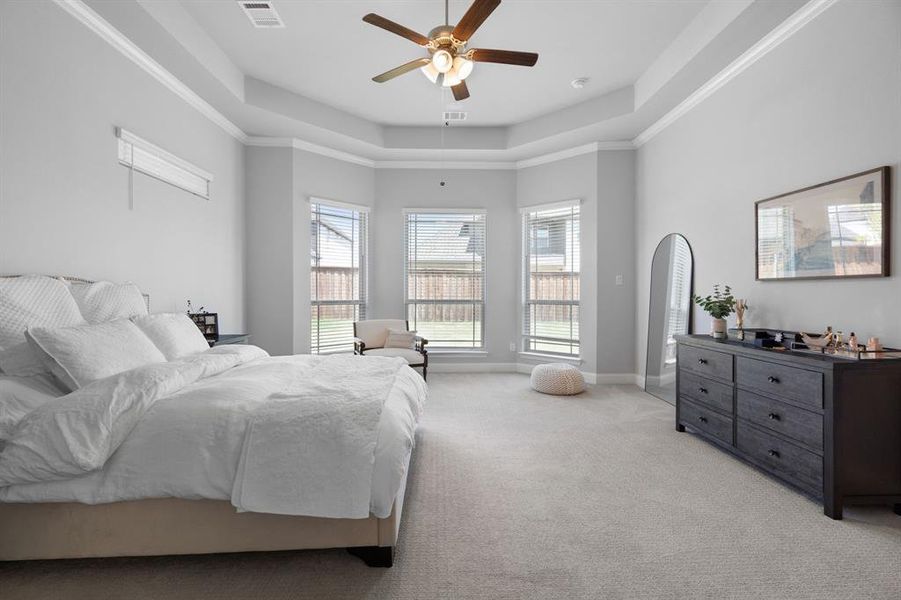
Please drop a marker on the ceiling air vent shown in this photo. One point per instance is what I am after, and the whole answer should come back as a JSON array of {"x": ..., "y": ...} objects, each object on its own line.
[
  {"x": 454, "y": 115},
  {"x": 261, "y": 14}
]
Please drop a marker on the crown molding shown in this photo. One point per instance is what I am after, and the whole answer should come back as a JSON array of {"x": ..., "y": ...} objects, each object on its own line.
[
  {"x": 445, "y": 164},
  {"x": 572, "y": 152},
  {"x": 298, "y": 144},
  {"x": 127, "y": 48},
  {"x": 772, "y": 40},
  {"x": 83, "y": 13}
]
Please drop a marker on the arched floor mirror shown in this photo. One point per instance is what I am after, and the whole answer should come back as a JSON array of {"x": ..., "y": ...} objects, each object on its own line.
[{"x": 669, "y": 313}]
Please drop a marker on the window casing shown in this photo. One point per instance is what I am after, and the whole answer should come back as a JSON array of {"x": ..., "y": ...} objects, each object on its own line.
[
  {"x": 444, "y": 277},
  {"x": 551, "y": 279},
  {"x": 338, "y": 274}
]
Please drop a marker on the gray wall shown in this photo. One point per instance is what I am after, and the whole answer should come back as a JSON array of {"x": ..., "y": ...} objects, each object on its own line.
[
  {"x": 280, "y": 182},
  {"x": 329, "y": 179},
  {"x": 270, "y": 248},
  {"x": 824, "y": 104},
  {"x": 64, "y": 199},
  {"x": 570, "y": 179},
  {"x": 616, "y": 256},
  {"x": 396, "y": 189},
  {"x": 604, "y": 182}
]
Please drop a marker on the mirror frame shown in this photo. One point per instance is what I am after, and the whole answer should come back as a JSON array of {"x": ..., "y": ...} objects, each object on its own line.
[{"x": 691, "y": 291}]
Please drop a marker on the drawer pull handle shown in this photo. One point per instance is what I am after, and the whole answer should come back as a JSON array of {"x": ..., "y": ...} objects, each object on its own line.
[
  {"x": 702, "y": 419},
  {"x": 772, "y": 379},
  {"x": 774, "y": 417},
  {"x": 702, "y": 361},
  {"x": 702, "y": 390},
  {"x": 774, "y": 453}
]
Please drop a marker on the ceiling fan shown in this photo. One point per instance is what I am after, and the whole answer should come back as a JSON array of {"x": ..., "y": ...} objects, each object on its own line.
[{"x": 450, "y": 63}]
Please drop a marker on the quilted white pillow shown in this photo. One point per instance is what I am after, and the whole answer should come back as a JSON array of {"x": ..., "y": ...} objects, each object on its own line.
[
  {"x": 34, "y": 301},
  {"x": 79, "y": 355},
  {"x": 106, "y": 301},
  {"x": 175, "y": 334}
]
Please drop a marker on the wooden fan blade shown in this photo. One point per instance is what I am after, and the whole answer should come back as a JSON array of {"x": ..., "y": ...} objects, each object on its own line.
[
  {"x": 506, "y": 57},
  {"x": 474, "y": 17},
  {"x": 388, "y": 25},
  {"x": 461, "y": 92},
  {"x": 404, "y": 68}
]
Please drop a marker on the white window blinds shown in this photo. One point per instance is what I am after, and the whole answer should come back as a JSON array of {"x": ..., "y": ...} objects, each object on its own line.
[
  {"x": 444, "y": 289},
  {"x": 338, "y": 275},
  {"x": 679, "y": 295},
  {"x": 551, "y": 279},
  {"x": 149, "y": 159}
]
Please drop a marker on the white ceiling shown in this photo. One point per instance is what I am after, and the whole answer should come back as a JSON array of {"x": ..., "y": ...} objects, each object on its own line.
[{"x": 326, "y": 52}]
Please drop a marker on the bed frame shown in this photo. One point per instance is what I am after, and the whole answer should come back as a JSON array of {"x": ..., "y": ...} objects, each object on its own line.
[{"x": 166, "y": 526}]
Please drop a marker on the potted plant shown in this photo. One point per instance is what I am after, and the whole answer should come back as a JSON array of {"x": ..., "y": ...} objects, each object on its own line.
[{"x": 719, "y": 305}]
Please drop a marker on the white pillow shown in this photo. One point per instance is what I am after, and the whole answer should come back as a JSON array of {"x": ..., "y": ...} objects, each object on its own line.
[
  {"x": 106, "y": 301},
  {"x": 34, "y": 301},
  {"x": 21, "y": 395},
  {"x": 79, "y": 355},
  {"x": 400, "y": 339},
  {"x": 175, "y": 334}
]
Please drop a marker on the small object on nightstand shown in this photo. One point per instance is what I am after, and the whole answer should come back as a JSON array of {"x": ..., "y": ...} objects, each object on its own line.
[
  {"x": 208, "y": 323},
  {"x": 231, "y": 339},
  {"x": 873, "y": 345},
  {"x": 852, "y": 342}
]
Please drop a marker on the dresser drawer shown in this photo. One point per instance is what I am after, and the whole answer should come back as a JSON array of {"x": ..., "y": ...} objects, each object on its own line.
[
  {"x": 706, "y": 391},
  {"x": 782, "y": 458},
  {"x": 800, "y": 385},
  {"x": 706, "y": 362},
  {"x": 703, "y": 419},
  {"x": 790, "y": 421}
]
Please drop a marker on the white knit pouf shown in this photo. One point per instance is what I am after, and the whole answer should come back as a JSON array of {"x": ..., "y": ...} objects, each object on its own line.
[{"x": 558, "y": 379}]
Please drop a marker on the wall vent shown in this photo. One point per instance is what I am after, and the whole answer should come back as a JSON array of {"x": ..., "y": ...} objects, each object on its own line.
[
  {"x": 454, "y": 115},
  {"x": 261, "y": 14}
]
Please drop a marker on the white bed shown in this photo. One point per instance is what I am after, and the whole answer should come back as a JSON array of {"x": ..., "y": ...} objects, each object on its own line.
[{"x": 158, "y": 459}]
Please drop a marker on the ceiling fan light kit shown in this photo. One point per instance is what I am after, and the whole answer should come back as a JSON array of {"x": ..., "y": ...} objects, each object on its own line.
[{"x": 450, "y": 63}]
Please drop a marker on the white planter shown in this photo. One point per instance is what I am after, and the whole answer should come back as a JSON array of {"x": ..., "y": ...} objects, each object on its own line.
[{"x": 718, "y": 329}]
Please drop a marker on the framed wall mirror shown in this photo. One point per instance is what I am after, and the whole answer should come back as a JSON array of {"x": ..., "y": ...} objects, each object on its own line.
[
  {"x": 669, "y": 313},
  {"x": 840, "y": 228}
]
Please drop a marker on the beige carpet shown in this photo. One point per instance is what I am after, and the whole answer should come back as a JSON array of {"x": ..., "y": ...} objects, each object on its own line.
[{"x": 519, "y": 495}]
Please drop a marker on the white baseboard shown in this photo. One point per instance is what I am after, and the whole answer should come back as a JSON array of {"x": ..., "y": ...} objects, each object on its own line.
[
  {"x": 526, "y": 368},
  {"x": 471, "y": 367},
  {"x": 616, "y": 378}
]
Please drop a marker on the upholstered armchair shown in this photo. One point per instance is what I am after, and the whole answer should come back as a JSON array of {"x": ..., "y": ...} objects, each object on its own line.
[{"x": 371, "y": 336}]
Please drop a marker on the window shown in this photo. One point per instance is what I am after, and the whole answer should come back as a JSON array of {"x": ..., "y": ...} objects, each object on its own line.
[
  {"x": 144, "y": 157},
  {"x": 445, "y": 277},
  {"x": 338, "y": 238},
  {"x": 551, "y": 279}
]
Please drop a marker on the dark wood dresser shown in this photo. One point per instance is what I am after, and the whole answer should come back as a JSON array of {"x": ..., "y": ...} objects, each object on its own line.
[{"x": 829, "y": 427}]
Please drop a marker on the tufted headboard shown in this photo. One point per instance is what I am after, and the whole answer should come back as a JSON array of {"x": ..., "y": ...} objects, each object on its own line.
[{"x": 80, "y": 280}]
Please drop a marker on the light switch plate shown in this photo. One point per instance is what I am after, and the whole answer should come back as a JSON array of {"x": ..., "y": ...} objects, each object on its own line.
[{"x": 619, "y": 280}]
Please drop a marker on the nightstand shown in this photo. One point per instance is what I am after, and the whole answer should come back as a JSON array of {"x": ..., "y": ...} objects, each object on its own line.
[{"x": 231, "y": 338}]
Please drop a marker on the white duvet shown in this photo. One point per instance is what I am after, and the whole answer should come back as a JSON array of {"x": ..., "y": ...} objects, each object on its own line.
[{"x": 179, "y": 429}]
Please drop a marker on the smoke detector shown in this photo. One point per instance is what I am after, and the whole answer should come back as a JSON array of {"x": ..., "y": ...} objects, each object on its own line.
[
  {"x": 579, "y": 83},
  {"x": 262, "y": 14},
  {"x": 454, "y": 115}
]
